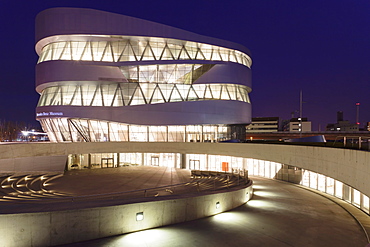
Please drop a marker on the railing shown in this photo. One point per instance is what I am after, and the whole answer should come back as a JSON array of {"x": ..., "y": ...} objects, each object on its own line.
[{"x": 357, "y": 142}]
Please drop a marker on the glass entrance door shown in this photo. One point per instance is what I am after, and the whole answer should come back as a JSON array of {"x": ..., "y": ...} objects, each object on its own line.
[
  {"x": 107, "y": 162},
  {"x": 154, "y": 161},
  {"x": 194, "y": 165}
]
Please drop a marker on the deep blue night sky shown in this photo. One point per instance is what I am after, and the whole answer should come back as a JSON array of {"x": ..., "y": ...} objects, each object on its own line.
[{"x": 320, "y": 47}]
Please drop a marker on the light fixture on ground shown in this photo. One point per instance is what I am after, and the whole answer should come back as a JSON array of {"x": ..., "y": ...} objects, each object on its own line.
[{"x": 139, "y": 216}]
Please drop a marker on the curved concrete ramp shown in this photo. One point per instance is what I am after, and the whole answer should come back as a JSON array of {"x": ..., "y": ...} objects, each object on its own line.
[{"x": 280, "y": 214}]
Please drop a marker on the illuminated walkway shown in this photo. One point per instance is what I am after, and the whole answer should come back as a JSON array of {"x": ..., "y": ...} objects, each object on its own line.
[{"x": 280, "y": 214}]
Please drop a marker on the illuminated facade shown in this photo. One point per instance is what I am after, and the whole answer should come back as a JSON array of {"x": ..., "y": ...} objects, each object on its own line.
[{"x": 108, "y": 77}]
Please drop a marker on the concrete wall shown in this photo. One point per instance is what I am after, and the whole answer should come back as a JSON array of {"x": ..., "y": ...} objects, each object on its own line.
[
  {"x": 349, "y": 166},
  {"x": 62, "y": 227}
]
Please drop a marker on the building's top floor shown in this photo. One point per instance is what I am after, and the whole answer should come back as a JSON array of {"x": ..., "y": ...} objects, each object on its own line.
[{"x": 56, "y": 22}]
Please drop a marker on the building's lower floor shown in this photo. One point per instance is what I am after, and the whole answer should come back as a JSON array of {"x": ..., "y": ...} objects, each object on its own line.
[{"x": 224, "y": 163}]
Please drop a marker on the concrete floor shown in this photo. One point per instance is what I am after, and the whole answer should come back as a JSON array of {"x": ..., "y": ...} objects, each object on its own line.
[{"x": 280, "y": 214}]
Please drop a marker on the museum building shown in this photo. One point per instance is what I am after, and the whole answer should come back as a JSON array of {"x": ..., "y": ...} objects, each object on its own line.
[{"x": 108, "y": 77}]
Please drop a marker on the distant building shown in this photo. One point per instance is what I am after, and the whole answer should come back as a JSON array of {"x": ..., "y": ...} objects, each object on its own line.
[
  {"x": 297, "y": 125},
  {"x": 342, "y": 125},
  {"x": 264, "y": 124},
  {"x": 367, "y": 127}
]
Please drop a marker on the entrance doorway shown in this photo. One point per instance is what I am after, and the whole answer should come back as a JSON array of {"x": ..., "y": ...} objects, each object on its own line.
[
  {"x": 154, "y": 161},
  {"x": 194, "y": 165},
  {"x": 107, "y": 162}
]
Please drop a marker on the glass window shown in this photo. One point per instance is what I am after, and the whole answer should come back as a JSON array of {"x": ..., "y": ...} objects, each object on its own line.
[
  {"x": 139, "y": 48},
  {"x": 330, "y": 185},
  {"x": 365, "y": 203},
  {"x": 356, "y": 198},
  {"x": 338, "y": 189}
]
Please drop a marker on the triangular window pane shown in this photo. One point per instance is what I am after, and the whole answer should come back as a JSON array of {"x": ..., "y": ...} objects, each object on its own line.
[
  {"x": 208, "y": 93},
  {"x": 138, "y": 97},
  {"x": 184, "y": 54},
  {"x": 207, "y": 53},
  {"x": 241, "y": 94},
  {"x": 224, "y": 93},
  {"x": 58, "y": 49},
  {"x": 157, "y": 49},
  {"x": 247, "y": 97},
  {"x": 239, "y": 56},
  {"x": 224, "y": 54},
  {"x": 233, "y": 57},
  {"x": 87, "y": 94},
  {"x": 231, "y": 89},
  {"x": 42, "y": 55},
  {"x": 192, "y": 95},
  {"x": 117, "y": 49},
  {"x": 216, "y": 90},
  {"x": 77, "y": 99},
  {"x": 46, "y": 56},
  {"x": 175, "y": 50},
  {"x": 98, "y": 49},
  {"x": 191, "y": 51},
  {"x": 128, "y": 54},
  {"x": 200, "y": 90},
  {"x": 87, "y": 53},
  {"x": 246, "y": 62},
  {"x": 108, "y": 54},
  {"x": 120, "y": 49},
  {"x": 147, "y": 73},
  {"x": 216, "y": 55},
  {"x": 48, "y": 95},
  {"x": 169, "y": 73},
  {"x": 166, "y": 54},
  {"x": 160, "y": 75},
  {"x": 109, "y": 92},
  {"x": 77, "y": 50},
  {"x": 238, "y": 95},
  {"x": 66, "y": 54},
  {"x": 183, "y": 90},
  {"x": 57, "y": 99},
  {"x": 175, "y": 95},
  {"x": 81, "y": 128},
  {"x": 166, "y": 90},
  {"x": 98, "y": 98},
  {"x": 147, "y": 54},
  {"x": 148, "y": 89},
  {"x": 157, "y": 96},
  {"x": 118, "y": 99},
  {"x": 199, "y": 55},
  {"x": 128, "y": 90}
]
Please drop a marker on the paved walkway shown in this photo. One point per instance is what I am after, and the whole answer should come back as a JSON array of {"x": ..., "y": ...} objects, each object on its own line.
[
  {"x": 81, "y": 184},
  {"x": 280, "y": 214},
  {"x": 110, "y": 180}
]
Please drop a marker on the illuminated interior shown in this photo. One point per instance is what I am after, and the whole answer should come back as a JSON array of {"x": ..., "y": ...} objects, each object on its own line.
[
  {"x": 224, "y": 163},
  {"x": 128, "y": 79},
  {"x": 77, "y": 130},
  {"x": 135, "y": 48},
  {"x": 125, "y": 94}
]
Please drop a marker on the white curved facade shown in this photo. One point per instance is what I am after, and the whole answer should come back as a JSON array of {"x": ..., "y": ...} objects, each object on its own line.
[{"x": 109, "y": 77}]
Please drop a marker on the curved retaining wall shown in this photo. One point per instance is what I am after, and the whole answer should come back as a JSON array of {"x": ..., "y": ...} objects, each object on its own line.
[
  {"x": 62, "y": 227},
  {"x": 348, "y": 166}
]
